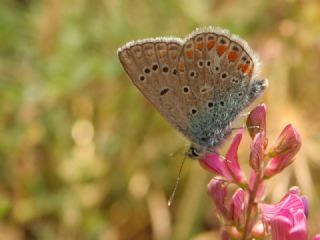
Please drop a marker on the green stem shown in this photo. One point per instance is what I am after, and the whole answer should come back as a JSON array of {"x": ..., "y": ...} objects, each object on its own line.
[{"x": 251, "y": 203}]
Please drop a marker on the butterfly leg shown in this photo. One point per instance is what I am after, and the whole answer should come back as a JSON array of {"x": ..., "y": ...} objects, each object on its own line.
[
  {"x": 247, "y": 127},
  {"x": 245, "y": 114}
]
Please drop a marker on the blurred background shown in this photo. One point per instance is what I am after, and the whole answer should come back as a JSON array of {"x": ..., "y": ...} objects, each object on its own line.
[{"x": 83, "y": 155}]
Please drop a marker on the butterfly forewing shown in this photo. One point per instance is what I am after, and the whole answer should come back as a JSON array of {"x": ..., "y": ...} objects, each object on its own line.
[{"x": 151, "y": 65}]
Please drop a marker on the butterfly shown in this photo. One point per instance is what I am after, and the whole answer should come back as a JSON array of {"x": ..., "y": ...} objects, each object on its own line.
[{"x": 199, "y": 84}]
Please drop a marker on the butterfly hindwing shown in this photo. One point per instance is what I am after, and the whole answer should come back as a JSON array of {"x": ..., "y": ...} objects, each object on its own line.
[{"x": 218, "y": 69}]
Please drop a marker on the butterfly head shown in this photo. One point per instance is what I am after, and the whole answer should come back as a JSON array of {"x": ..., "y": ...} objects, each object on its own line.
[{"x": 195, "y": 151}]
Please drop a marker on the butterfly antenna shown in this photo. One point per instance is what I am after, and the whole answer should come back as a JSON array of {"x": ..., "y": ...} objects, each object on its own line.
[{"x": 177, "y": 182}]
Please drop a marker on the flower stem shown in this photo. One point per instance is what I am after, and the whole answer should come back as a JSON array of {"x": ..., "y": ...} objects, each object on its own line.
[{"x": 251, "y": 203}]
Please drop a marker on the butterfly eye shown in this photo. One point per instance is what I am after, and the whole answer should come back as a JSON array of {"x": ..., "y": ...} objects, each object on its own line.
[{"x": 194, "y": 152}]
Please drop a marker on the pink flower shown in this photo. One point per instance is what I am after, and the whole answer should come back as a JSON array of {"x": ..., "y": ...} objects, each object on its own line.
[
  {"x": 257, "y": 152},
  {"x": 291, "y": 202},
  {"x": 299, "y": 230},
  {"x": 286, "y": 218},
  {"x": 218, "y": 192},
  {"x": 232, "y": 162},
  {"x": 215, "y": 163},
  {"x": 228, "y": 168},
  {"x": 224, "y": 235},
  {"x": 285, "y": 148},
  {"x": 237, "y": 206},
  {"x": 232, "y": 211},
  {"x": 256, "y": 121},
  {"x": 316, "y": 237}
]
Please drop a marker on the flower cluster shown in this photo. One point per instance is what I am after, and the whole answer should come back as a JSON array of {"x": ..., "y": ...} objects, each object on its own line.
[{"x": 239, "y": 200}]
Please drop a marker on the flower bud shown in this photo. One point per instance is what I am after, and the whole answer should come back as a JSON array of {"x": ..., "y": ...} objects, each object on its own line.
[
  {"x": 286, "y": 147},
  {"x": 256, "y": 121},
  {"x": 258, "y": 230}
]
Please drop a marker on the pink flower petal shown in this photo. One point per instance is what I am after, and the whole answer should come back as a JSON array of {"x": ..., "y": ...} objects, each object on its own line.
[
  {"x": 256, "y": 121},
  {"x": 289, "y": 140},
  {"x": 215, "y": 163},
  {"x": 299, "y": 230},
  {"x": 286, "y": 147},
  {"x": 237, "y": 206},
  {"x": 257, "y": 152},
  {"x": 316, "y": 237},
  {"x": 224, "y": 235},
  {"x": 232, "y": 162},
  {"x": 288, "y": 205},
  {"x": 306, "y": 205},
  {"x": 280, "y": 226},
  {"x": 218, "y": 192}
]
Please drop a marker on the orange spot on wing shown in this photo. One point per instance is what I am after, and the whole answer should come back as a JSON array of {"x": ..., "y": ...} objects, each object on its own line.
[
  {"x": 189, "y": 54},
  {"x": 245, "y": 68},
  {"x": 200, "y": 46},
  {"x": 210, "y": 44},
  {"x": 233, "y": 56},
  {"x": 181, "y": 67},
  {"x": 221, "y": 49}
]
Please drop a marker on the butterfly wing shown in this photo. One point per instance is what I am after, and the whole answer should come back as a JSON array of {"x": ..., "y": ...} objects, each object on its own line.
[
  {"x": 218, "y": 68},
  {"x": 151, "y": 65},
  {"x": 199, "y": 84}
]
